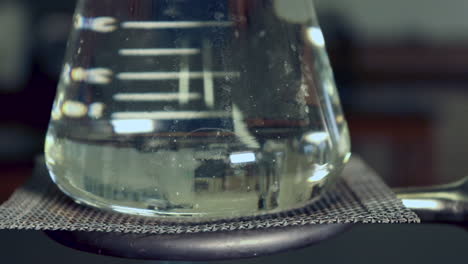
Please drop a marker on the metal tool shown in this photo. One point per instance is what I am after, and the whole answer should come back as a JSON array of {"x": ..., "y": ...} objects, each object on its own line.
[{"x": 438, "y": 204}]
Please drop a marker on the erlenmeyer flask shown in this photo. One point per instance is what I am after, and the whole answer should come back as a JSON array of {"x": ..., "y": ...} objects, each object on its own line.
[{"x": 215, "y": 108}]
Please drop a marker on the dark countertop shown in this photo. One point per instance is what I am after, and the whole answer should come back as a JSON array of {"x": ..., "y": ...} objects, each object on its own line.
[{"x": 381, "y": 244}]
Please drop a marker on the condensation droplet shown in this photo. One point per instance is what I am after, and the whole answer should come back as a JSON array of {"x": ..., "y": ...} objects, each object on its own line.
[
  {"x": 74, "y": 109},
  {"x": 168, "y": 108},
  {"x": 96, "y": 110},
  {"x": 218, "y": 15}
]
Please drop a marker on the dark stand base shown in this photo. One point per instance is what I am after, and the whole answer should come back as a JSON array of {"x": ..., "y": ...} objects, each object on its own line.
[{"x": 201, "y": 246}]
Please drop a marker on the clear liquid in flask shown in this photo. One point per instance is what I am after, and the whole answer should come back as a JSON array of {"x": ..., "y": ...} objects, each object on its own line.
[{"x": 217, "y": 109}]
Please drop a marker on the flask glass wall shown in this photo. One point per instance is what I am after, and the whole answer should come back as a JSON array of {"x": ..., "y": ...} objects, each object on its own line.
[{"x": 215, "y": 108}]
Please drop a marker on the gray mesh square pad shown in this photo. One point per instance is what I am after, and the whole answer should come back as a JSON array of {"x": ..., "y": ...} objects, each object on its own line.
[{"x": 359, "y": 196}]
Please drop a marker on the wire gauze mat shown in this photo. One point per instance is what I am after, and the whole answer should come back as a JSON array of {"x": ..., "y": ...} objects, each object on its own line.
[{"x": 360, "y": 196}]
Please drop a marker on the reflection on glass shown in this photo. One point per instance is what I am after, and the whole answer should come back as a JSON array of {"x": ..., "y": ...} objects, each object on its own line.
[
  {"x": 187, "y": 108},
  {"x": 426, "y": 204}
]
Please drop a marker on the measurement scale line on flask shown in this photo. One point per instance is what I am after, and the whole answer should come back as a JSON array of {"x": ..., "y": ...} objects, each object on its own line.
[
  {"x": 163, "y": 97},
  {"x": 154, "y": 76},
  {"x": 165, "y": 115},
  {"x": 174, "y": 24},
  {"x": 183, "y": 76},
  {"x": 158, "y": 52},
  {"x": 110, "y": 24}
]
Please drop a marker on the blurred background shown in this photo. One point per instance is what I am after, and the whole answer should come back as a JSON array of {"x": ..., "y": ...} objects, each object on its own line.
[{"x": 401, "y": 68}]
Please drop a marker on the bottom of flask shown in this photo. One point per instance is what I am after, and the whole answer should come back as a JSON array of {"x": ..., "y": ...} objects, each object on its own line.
[
  {"x": 196, "y": 180},
  {"x": 84, "y": 198}
]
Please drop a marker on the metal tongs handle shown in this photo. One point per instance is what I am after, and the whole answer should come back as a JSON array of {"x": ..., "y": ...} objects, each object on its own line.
[{"x": 438, "y": 204}]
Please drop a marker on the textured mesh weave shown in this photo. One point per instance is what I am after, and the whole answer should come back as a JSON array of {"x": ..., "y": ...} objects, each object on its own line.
[{"x": 358, "y": 197}]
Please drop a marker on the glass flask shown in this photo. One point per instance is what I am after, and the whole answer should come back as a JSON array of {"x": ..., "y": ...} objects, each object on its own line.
[{"x": 196, "y": 109}]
